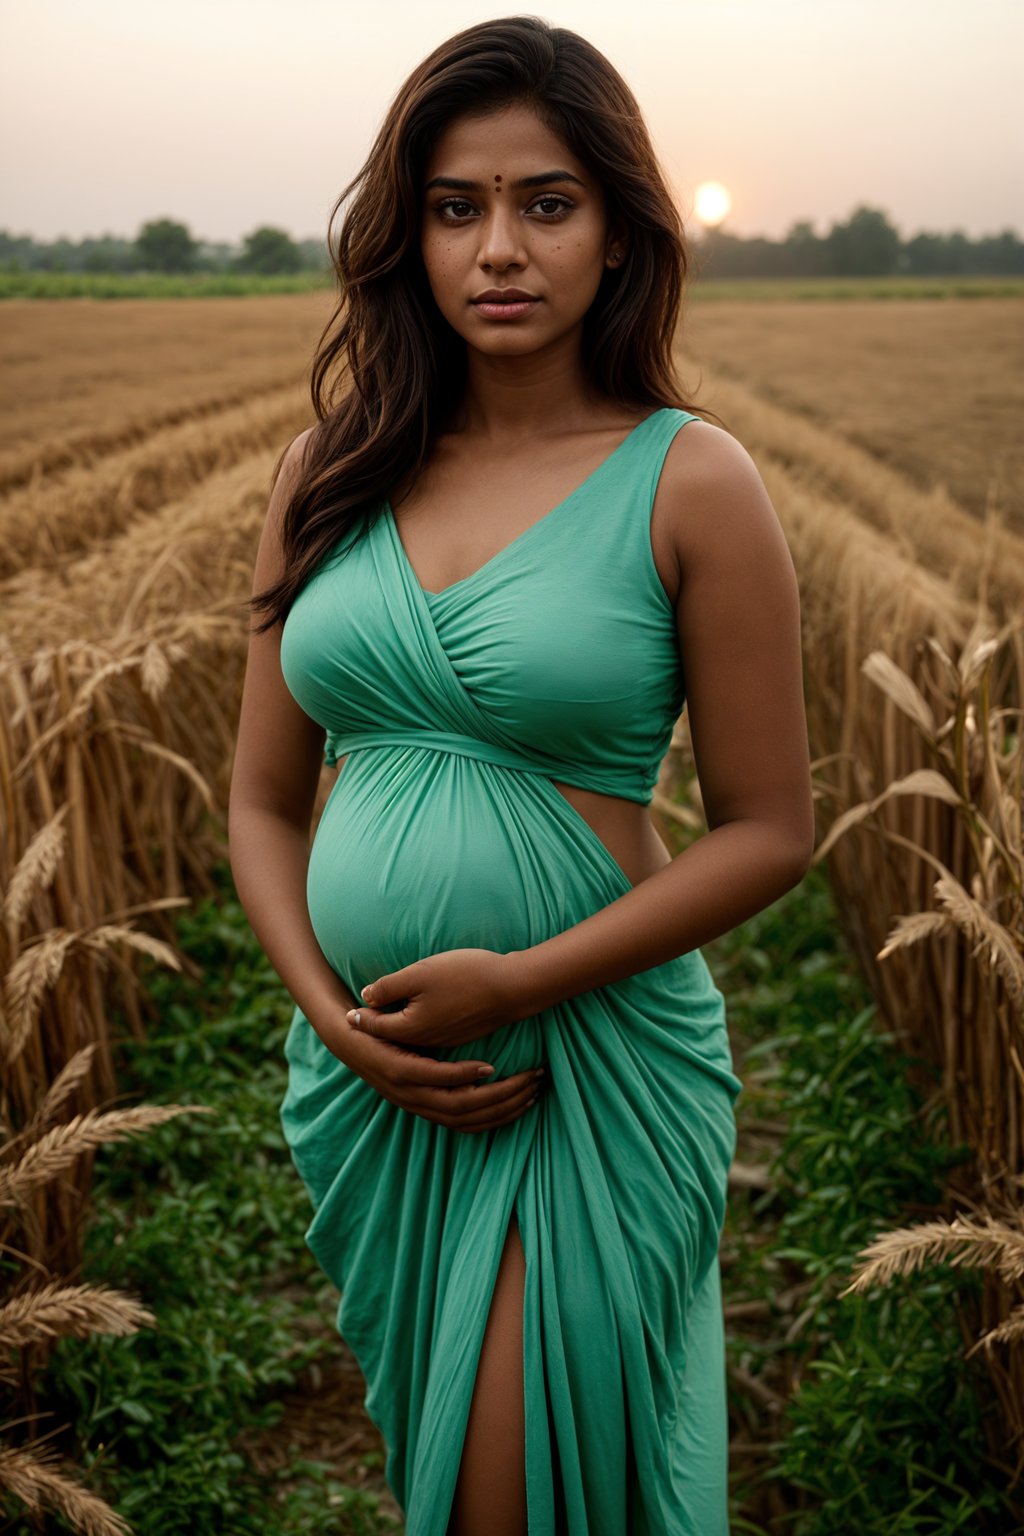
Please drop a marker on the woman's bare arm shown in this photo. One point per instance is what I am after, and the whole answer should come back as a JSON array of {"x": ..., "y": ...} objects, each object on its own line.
[
  {"x": 738, "y": 622},
  {"x": 274, "y": 780}
]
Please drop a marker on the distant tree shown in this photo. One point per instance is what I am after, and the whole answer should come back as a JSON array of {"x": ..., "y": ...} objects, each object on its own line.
[
  {"x": 216, "y": 255},
  {"x": 108, "y": 253},
  {"x": 925, "y": 254},
  {"x": 315, "y": 255},
  {"x": 959, "y": 252},
  {"x": 867, "y": 245},
  {"x": 805, "y": 251},
  {"x": 16, "y": 251},
  {"x": 57, "y": 256},
  {"x": 721, "y": 254},
  {"x": 1003, "y": 252},
  {"x": 802, "y": 233},
  {"x": 163, "y": 245},
  {"x": 269, "y": 250}
]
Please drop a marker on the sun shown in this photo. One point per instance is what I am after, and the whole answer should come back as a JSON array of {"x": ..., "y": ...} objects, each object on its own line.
[{"x": 711, "y": 202}]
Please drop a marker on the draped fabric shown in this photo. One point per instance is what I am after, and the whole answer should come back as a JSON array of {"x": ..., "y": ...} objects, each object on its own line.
[{"x": 455, "y": 713}]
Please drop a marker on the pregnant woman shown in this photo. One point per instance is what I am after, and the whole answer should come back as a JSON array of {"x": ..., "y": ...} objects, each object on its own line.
[{"x": 490, "y": 575}]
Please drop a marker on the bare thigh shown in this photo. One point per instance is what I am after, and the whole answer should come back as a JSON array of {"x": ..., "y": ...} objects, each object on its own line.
[{"x": 490, "y": 1495}]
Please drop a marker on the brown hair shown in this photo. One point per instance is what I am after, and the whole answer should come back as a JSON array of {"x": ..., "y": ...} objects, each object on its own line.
[{"x": 406, "y": 365}]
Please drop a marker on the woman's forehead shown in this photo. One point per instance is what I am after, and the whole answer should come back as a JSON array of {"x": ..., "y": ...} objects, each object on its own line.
[{"x": 510, "y": 143}]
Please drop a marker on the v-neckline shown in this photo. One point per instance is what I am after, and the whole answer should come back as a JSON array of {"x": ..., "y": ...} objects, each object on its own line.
[{"x": 528, "y": 530}]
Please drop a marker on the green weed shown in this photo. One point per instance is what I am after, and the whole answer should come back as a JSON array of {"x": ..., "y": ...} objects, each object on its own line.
[{"x": 882, "y": 1428}]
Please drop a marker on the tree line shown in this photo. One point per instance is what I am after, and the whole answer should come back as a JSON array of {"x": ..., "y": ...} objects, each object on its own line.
[
  {"x": 867, "y": 244},
  {"x": 165, "y": 245}
]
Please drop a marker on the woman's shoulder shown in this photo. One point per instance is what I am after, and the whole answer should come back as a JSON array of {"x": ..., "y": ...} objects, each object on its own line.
[
  {"x": 294, "y": 454},
  {"x": 287, "y": 470},
  {"x": 705, "y": 452},
  {"x": 711, "y": 502}
]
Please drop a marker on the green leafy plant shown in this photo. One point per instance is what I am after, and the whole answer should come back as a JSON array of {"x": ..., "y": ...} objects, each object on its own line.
[
  {"x": 869, "y": 1419},
  {"x": 205, "y": 1221}
]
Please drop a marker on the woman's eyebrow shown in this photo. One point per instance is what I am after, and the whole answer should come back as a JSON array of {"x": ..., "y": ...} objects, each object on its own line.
[{"x": 454, "y": 184}]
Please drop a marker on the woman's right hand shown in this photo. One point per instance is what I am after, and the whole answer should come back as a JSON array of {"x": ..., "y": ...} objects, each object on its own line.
[{"x": 450, "y": 1093}]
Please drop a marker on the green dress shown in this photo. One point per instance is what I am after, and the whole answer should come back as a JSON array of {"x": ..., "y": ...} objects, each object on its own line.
[{"x": 556, "y": 660}]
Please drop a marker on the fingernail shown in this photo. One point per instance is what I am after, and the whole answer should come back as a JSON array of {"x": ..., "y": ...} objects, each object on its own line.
[
  {"x": 484, "y": 1071},
  {"x": 353, "y": 1016}
]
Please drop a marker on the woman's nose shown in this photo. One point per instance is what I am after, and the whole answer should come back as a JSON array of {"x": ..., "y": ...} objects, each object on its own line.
[{"x": 501, "y": 241}]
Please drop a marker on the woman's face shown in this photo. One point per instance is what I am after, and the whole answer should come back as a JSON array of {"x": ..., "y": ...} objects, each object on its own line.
[{"x": 482, "y": 229}]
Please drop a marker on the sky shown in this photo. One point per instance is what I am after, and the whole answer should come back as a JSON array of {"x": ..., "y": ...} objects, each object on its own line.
[{"x": 230, "y": 114}]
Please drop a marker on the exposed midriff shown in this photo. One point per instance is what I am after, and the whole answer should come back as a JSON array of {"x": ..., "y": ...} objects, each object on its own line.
[{"x": 624, "y": 827}]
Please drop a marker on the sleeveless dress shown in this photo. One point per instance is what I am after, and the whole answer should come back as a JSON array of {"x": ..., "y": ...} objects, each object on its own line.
[{"x": 556, "y": 660}]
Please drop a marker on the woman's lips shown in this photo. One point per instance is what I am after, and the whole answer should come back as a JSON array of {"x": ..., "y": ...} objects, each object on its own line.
[{"x": 507, "y": 309}]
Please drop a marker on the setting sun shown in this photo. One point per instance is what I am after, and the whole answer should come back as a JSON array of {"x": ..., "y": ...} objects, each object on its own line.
[{"x": 711, "y": 202}]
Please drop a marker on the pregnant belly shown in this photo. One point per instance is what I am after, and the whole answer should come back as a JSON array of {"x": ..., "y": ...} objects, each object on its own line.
[{"x": 419, "y": 851}]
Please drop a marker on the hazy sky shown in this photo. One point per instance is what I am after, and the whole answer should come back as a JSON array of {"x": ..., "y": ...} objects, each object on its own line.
[{"x": 227, "y": 114}]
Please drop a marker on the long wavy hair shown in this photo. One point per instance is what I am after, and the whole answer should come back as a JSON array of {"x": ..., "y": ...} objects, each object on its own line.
[{"x": 389, "y": 371}]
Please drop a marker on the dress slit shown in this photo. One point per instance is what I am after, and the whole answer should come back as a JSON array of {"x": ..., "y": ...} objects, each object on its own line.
[{"x": 502, "y": 1388}]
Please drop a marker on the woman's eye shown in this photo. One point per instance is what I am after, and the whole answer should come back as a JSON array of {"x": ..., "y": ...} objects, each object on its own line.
[
  {"x": 560, "y": 205},
  {"x": 552, "y": 207},
  {"x": 453, "y": 205}
]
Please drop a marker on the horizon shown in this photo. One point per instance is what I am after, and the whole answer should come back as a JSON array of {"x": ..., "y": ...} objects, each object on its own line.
[
  {"x": 695, "y": 230},
  {"x": 96, "y": 144}
]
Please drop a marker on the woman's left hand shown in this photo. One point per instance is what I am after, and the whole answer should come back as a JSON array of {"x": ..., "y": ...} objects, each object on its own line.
[{"x": 449, "y": 998}]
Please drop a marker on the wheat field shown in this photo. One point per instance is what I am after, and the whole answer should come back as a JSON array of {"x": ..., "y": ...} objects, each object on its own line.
[{"x": 136, "y": 448}]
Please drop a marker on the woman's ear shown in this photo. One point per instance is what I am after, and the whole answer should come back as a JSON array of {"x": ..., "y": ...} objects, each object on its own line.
[{"x": 617, "y": 248}]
